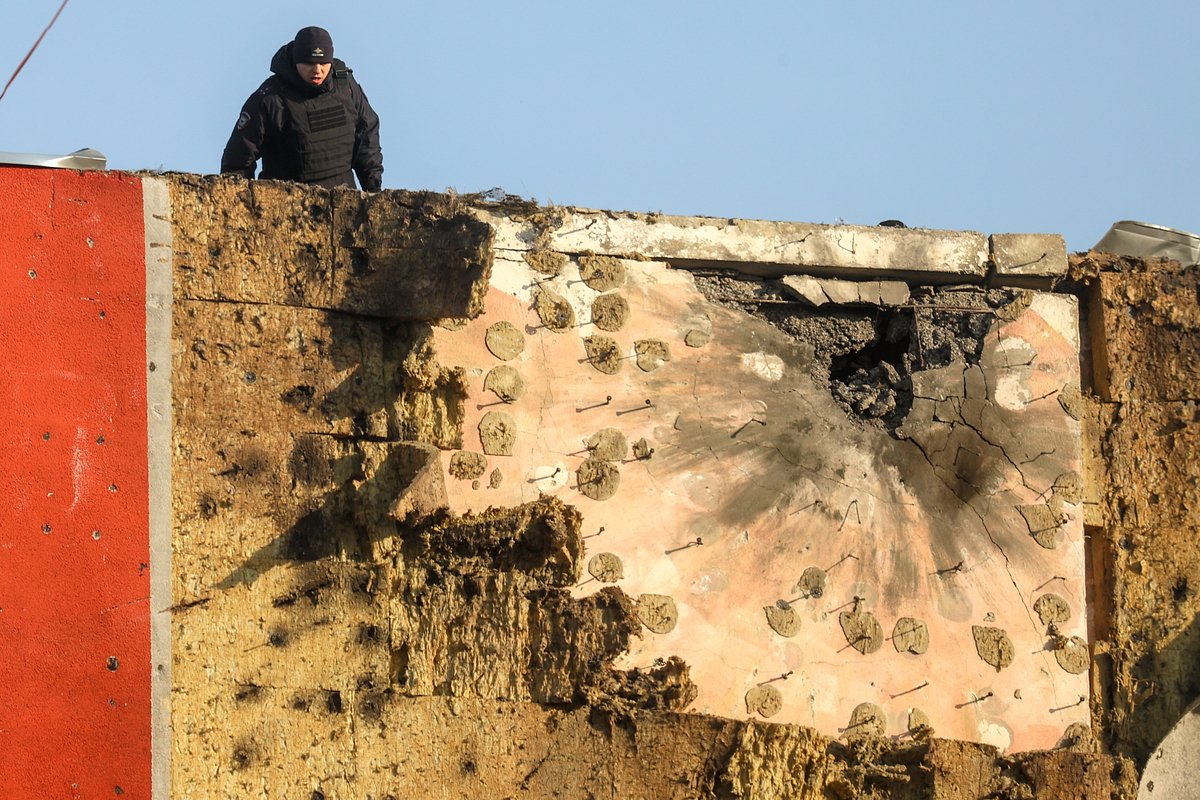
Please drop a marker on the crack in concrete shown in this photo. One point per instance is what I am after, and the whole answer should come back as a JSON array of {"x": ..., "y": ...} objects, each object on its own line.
[
  {"x": 983, "y": 522},
  {"x": 1035, "y": 458},
  {"x": 1003, "y": 452}
]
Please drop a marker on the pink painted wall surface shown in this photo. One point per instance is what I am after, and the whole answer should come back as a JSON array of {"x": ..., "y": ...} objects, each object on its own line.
[
  {"x": 74, "y": 551},
  {"x": 755, "y": 459}
]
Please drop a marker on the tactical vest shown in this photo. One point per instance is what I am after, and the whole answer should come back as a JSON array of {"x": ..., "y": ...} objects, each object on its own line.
[{"x": 318, "y": 140}]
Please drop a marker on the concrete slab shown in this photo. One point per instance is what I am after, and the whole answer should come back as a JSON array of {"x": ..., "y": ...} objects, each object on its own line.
[
  {"x": 1025, "y": 259},
  {"x": 893, "y": 293},
  {"x": 743, "y": 476},
  {"x": 767, "y": 248},
  {"x": 819, "y": 291},
  {"x": 806, "y": 288},
  {"x": 841, "y": 292}
]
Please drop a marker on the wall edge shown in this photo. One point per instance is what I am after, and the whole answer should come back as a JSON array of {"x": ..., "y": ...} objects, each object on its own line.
[{"x": 156, "y": 207}]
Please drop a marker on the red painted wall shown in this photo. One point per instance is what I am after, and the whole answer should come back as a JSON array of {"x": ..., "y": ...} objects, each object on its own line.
[{"x": 74, "y": 534}]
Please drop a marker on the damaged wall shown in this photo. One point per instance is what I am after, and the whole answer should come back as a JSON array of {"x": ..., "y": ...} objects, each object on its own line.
[
  {"x": 1144, "y": 318},
  {"x": 479, "y": 499},
  {"x": 707, "y": 458},
  {"x": 947, "y": 522}
]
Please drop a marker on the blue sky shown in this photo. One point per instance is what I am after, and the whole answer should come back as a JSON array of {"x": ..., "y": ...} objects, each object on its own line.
[{"x": 1001, "y": 117}]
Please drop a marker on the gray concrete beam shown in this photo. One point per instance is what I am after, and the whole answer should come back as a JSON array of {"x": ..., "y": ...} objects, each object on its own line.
[
  {"x": 1028, "y": 259},
  {"x": 756, "y": 246}
]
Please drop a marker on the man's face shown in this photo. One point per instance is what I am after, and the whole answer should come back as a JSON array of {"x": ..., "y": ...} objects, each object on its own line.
[{"x": 313, "y": 74}]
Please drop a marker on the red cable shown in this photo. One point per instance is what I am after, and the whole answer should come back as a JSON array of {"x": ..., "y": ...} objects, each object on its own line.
[{"x": 35, "y": 47}]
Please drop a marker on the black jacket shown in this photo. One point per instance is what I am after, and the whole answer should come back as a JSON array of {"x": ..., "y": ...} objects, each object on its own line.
[{"x": 311, "y": 134}]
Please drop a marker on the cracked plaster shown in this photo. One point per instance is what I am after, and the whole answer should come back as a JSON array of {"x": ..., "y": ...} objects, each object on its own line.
[{"x": 757, "y": 475}]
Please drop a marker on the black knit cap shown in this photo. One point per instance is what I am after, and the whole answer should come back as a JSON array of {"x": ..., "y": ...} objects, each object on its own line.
[{"x": 312, "y": 45}]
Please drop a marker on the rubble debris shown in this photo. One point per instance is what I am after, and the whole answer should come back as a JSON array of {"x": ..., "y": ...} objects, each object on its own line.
[
  {"x": 665, "y": 686},
  {"x": 869, "y": 357}
]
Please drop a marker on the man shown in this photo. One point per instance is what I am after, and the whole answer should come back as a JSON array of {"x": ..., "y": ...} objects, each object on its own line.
[{"x": 309, "y": 122}]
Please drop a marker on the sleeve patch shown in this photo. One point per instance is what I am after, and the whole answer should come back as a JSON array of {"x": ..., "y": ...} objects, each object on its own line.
[{"x": 243, "y": 120}]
